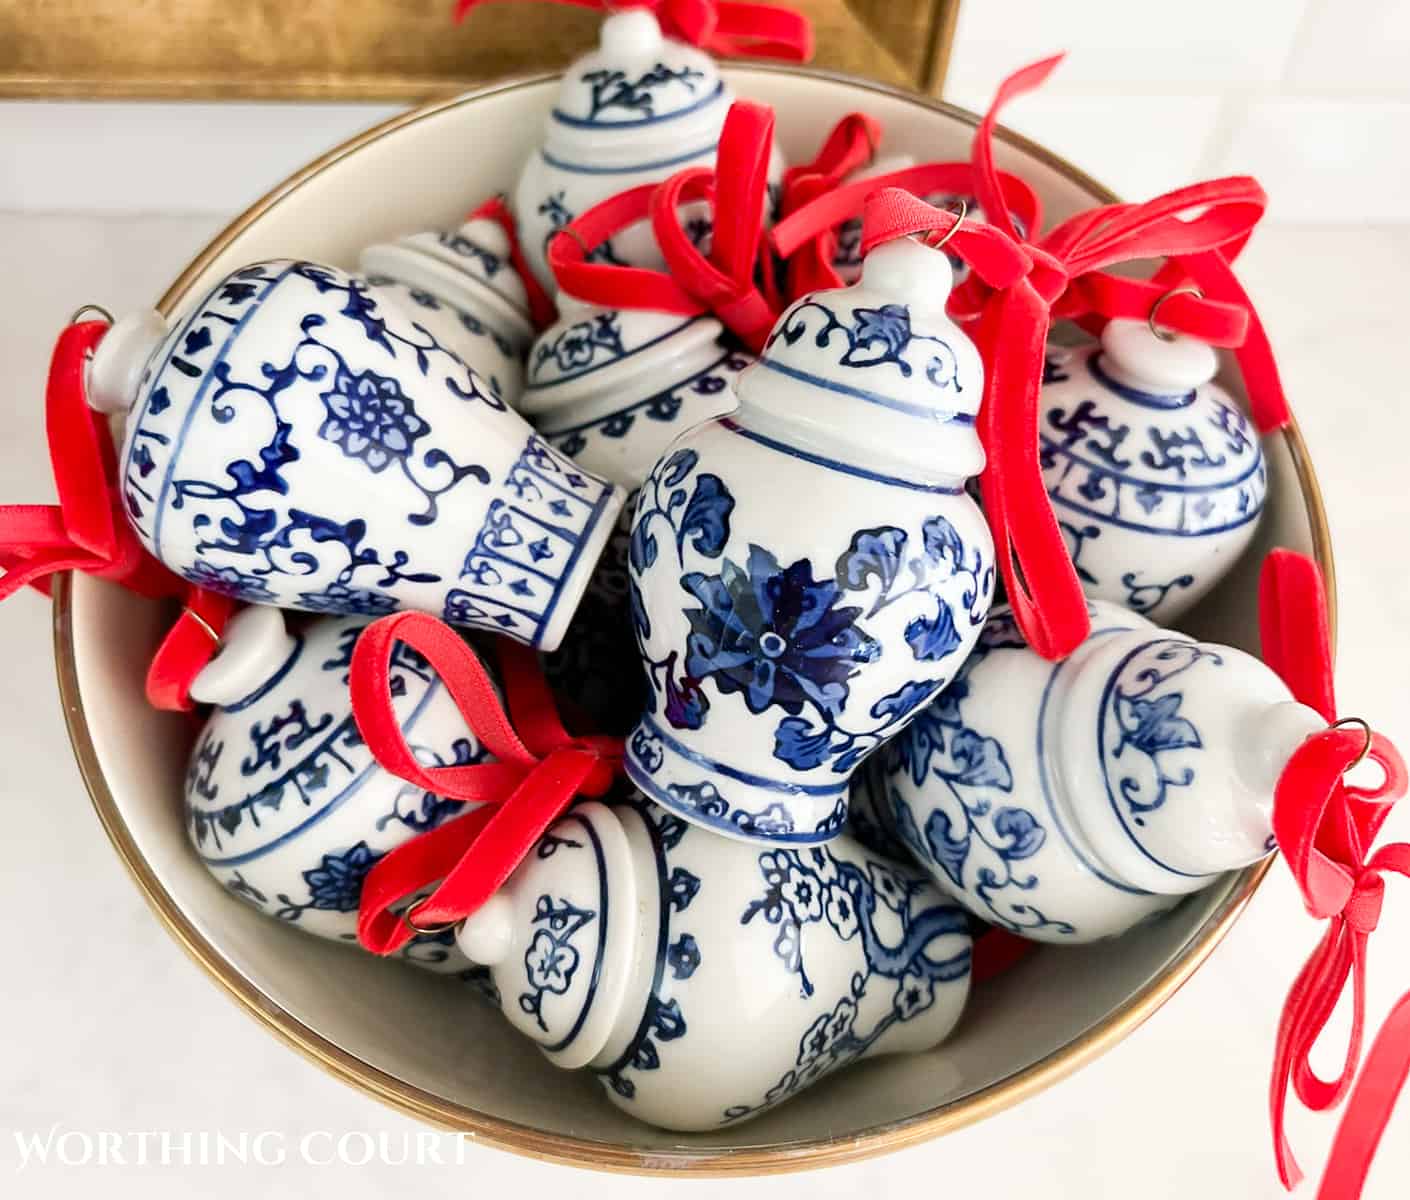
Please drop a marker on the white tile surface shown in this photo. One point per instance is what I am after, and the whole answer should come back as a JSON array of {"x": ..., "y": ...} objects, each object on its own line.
[
  {"x": 106, "y": 1025},
  {"x": 1362, "y": 48},
  {"x": 1323, "y": 161},
  {"x": 1121, "y": 46}
]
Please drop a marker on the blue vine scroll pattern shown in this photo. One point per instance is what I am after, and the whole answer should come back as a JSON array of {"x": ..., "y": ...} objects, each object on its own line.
[
  {"x": 248, "y": 541},
  {"x": 972, "y": 832},
  {"x": 613, "y": 89},
  {"x": 902, "y": 942},
  {"x": 873, "y": 337},
  {"x": 1142, "y": 728}
]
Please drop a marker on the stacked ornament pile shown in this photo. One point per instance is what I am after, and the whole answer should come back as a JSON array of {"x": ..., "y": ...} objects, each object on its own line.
[{"x": 687, "y": 443}]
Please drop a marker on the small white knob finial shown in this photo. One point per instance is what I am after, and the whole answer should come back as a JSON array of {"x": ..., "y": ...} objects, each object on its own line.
[
  {"x": 1267, "y": 740},
  {"x": 631, "y": 34},
  {"x": 115, "y": 374},
  {"x": 909, "y": 272},
  {"x": 487, "y": 234},
  {"x": 254, "y": 646},
  {"x": 486, "y": 936},
  {"x": 1170, "y": 364}
]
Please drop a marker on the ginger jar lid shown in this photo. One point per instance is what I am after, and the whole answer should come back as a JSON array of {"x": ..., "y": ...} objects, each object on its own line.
[
  {"x": 880, "y": 365},
  {"x": 591, "y": 349},
  {"x": 1135, "y": 428},
  {"x": 469, "y": 267},
  {"x": 282, "y": 749},
  {"x": 558, "y": 935},
  {"x": 640, "y": 83}
]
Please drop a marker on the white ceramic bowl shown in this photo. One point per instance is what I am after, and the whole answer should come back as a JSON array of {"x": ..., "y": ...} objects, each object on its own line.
[{"x": 427, "y": 1045}]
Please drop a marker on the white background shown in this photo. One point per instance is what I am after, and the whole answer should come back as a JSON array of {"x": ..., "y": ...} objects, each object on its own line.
[{"x": 107, "y": 1026}]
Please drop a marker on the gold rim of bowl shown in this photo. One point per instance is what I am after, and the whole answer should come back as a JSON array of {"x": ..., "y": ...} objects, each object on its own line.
[{"x": 796, "y": 1155}]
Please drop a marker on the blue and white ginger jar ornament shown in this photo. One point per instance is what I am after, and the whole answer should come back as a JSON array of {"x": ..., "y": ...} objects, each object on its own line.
[
  {"x": 704, "y": 980},
  {"x": 1157, "y": 477},
  {"x": 295, "y": 440},
  {"x": 1068, "y": 801},
  {"x": 612, "y": 388},
  {"x": 284, "y": 803},
  {"x": 810, "y": 571},
  {"x": 463, "y": 288},
  {"x": 636, "y": 110}
]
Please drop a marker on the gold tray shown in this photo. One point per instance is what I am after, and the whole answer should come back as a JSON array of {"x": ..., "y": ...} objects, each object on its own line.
[{"x": 404, "y": 50}]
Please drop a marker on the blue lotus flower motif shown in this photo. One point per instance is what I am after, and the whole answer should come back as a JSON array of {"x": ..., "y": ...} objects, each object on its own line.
[
  {"x": 550, "y": 963},
  {"x": 914, "y": 995},
  {"x": 229, "y": 581},
  {"x": 335, "y": 885},
  {"x": 371, "y": 418},
  {"x": 775, "y": 634},
  {"x": 343, "y": 598}
]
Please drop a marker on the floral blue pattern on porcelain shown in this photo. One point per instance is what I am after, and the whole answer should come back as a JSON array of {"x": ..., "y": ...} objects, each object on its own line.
[
  {"x": 1068, "y": 801},
  {"x": 781, "y": 653},
  {"x": 297, "y": 442},
  {"x": 1158, "y": 479},
  {"x": 847, "y": 956},
  {"x": 284, "y": 804}
]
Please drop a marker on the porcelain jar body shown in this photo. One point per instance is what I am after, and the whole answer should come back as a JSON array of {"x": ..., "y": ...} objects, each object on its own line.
[
  {"x": 294, "y": 441},
  {"x": 284, "y": 803},
  {"x": 611, "y": 389},
  {"x": 1157, "y": 477},
  {"x": 809, "y": 571},
  {"x": 1068, "y": 801},
  {"x": 705, "y": 980},
  {"x": 463, "y": 288},
  {"x": 635, "y": 111}
]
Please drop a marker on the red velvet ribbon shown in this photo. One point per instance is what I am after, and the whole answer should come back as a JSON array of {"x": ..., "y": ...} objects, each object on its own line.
[
  {"x": 538, "y": 770},
  {"x": 807, "y": 233},
  {"x": 724, "y": 27},
  {"x": 725, "y": 282},
  {"x": 541, "y": 308},
  {"x": 1065, "y": 276},
  {"x": 1325, "y": 828},
  {"x": 850, "y": 145},
  {"x": 88, "y": 531}
]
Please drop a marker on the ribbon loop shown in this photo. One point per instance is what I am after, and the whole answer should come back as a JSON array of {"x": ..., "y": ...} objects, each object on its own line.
[
  {"x": 1325, "y": 829},
  {"x": 726, "y": 27},
  {"x": 538, "y": 770},
  {"x": 724, "y": 283}
]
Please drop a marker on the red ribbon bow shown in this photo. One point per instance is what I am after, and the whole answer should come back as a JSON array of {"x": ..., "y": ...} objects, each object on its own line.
[
  {"x": 1063, "y": 275},
  {"x": 849, "y": 146},
  {"x": 541, "y": 308},
  {"x": 88, "y": 531},
  {"x": 1326, "y": 828},
  {"x": 725, "y": 282},
  {"x": 720, "y": 26},
  {"x": 538, "y": 770}
]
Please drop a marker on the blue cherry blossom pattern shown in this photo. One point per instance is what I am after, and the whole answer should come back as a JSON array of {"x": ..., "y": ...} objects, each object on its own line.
[
  {"x": 775, "y": 634},
  {"x": 370, "y": 418},
  {"x": 551, "y": 960}
]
